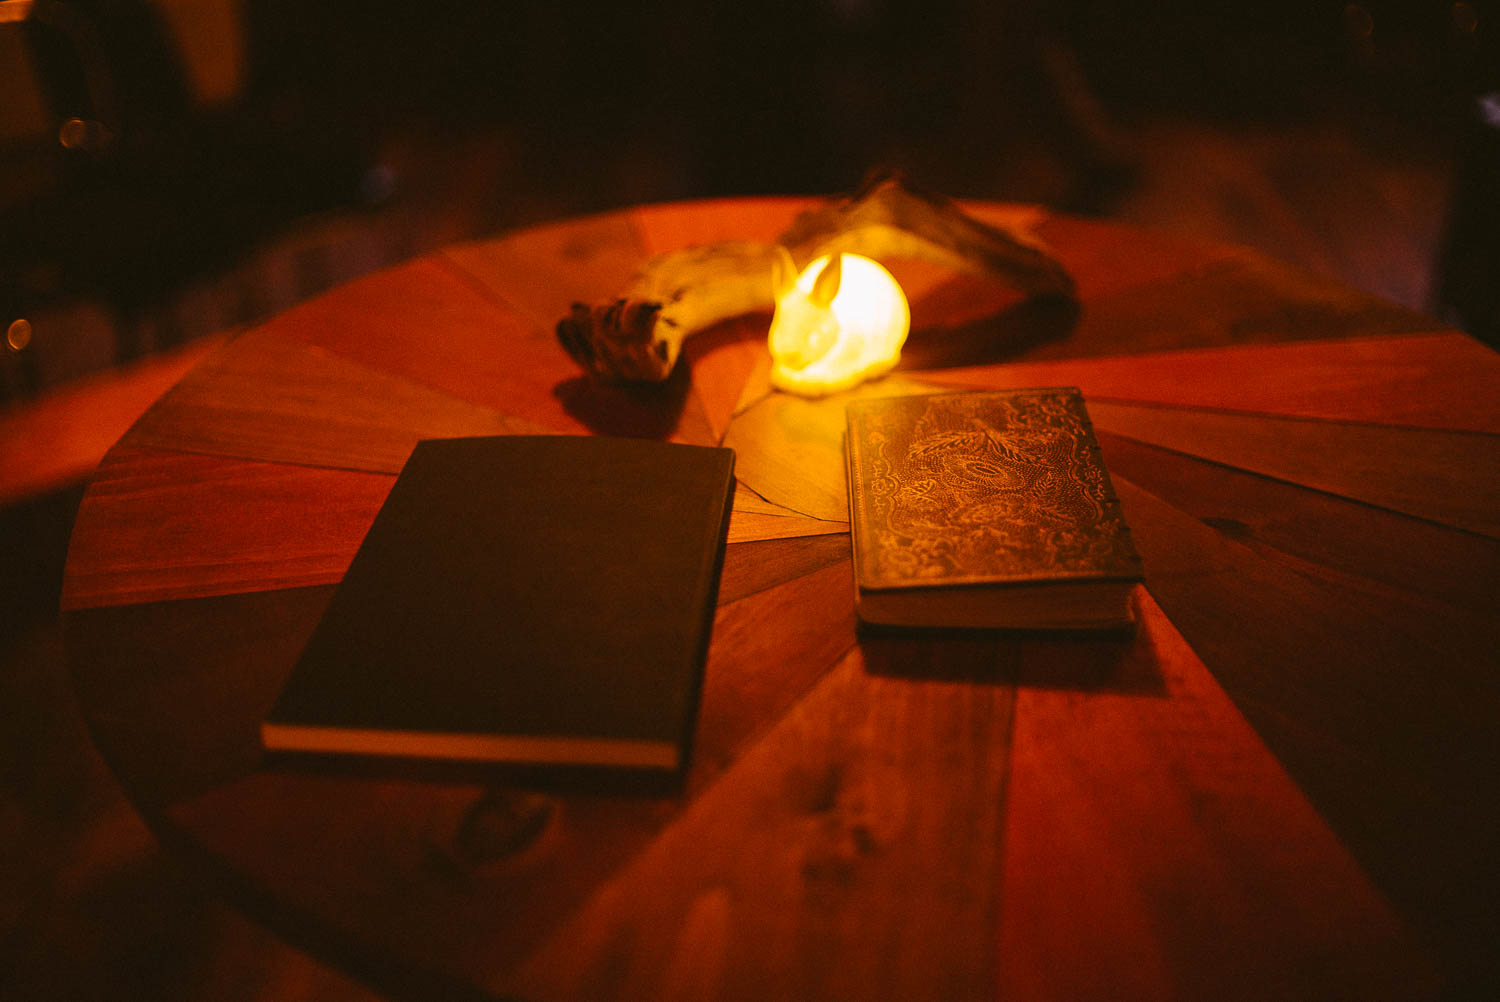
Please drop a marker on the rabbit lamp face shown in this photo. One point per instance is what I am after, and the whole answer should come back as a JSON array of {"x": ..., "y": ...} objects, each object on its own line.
[{"x": 840, "y": 322}]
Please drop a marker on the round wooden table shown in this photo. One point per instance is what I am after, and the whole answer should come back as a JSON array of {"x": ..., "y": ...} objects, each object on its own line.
[{"x": 1283, "y": 786}]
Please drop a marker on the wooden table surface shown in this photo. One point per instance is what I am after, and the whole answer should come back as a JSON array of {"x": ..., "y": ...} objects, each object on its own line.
[{"x": 1283, "y": 786}]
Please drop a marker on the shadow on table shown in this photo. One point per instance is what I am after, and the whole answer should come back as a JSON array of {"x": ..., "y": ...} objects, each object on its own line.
[
  {"x": 1116, "y": 661},
  {"x": 627, "y": 410},
  {"x": 992, "y": 337}
]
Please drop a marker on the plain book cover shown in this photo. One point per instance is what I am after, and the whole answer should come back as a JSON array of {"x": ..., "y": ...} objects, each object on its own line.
[{"x": 522, "y": 599}]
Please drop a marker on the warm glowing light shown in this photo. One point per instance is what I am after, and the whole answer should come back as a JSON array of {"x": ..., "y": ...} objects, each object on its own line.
[
  {"x": 842, "y": 321},
  {"x": 18, "y": 336}
]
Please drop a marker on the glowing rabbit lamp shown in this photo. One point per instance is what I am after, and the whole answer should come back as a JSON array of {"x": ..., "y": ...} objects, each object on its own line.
[{"x": 842, "y": 321}]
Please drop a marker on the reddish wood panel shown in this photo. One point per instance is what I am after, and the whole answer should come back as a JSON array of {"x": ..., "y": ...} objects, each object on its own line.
[
  {"x": 432, "y": 323},
  {"x": 1439, "y": 381},
  {"x": 59, "y": 437},
  {"x": 158, "y": 525},
  {"x": 1240, "y": 299},
  {"x": 722, "y": 360},
  {"x": 756, "y": 670},
  {"x": 1154, "y": 848},
  {"x": 745, "y": 527},
  {"x": 413, "y": 879},
  {"x": 756, "y": 566},
  {"x": 272, "y": 398},
  {"x": 540, "y": 272},
  {"x": 1448, "y": 477},
  {"x": 1382, "y": 709},
  {"x": 427, "y": 322},
  {"x": 174, "y": 692},
  {"x": 851, "y": 853},
  {"x": 1419, "y": 564}
]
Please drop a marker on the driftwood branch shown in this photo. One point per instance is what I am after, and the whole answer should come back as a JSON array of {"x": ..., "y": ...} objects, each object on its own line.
[{"x": 638, "y": 335}]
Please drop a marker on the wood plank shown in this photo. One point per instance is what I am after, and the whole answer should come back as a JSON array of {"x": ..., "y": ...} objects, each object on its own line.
[
  {"x": 1430, "y": 569},
  {"x": 433, "y": 324},
  {"x": 56, "y": 439},
  {"x": 1388, "y": 730},
  {"x": 756, "y": 670},
  {"x": 1242, "y": 299},
  {"x": 1155, "y": 849},
  {"x": 852, "y": 853},
  {"x": 157, "y": 525},
  {"x": 790, "y": 450},
  {"x": 746, "y": 527},
  {"x": 746, "y": 500},
  {"x": 174, "y": 692},
  {"x": 282, "y": 400},
  {"x": 755, "y": 566},
  {"x": 541, "y": 271},
  {"x": 1448, "y": 477},
  {"x": 1340, "y": 655},
  {"x": 722, "y": 360},
  {"x": 757, "y": 385},
  {"x": 427, "y": 322},
  {"x": 1429, "y": 381}
]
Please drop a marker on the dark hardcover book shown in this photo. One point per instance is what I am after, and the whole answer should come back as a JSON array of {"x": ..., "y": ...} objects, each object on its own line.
[
  {"x": 522, "y": 599},
  {"x": 985, "y": 509}
]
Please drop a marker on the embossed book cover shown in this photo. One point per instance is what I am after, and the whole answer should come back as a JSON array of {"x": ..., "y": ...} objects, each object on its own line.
[{"x": 986, "y": 509}]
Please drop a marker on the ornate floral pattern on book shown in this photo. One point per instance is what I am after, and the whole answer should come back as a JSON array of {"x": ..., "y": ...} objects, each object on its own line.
[{"x": 985, "y": 487}]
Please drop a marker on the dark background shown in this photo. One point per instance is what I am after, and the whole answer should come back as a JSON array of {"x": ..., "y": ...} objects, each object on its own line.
[{"x": 205, "y": 130}]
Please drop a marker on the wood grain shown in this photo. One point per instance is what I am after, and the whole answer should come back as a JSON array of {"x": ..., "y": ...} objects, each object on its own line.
[
  {"x": 1432, "y": 570},
  {"x": 428, "y": 323},
  {"x": 749, "y": 502},
  {"x": 1387, "y": 727},
  {"x": 722, "y": 360},
  {"x": 1154, "y": 848},
  {"x": 756, "y": 566},
  {"x": 791, "y": 450},
  {"x": 1236, "y": 299},
  {"x": 755, "y": 672},
  {"x": 1448, "y": 477},
  {"x": 852, "y": 853},
  {"x": 435, "y": 325},
  {"x": 174, "y": 692},
  {"x": 746, "y": 527},
  {"x": 1439, "y": 381},
  {"x": 540, "y": 272},
  {"x": 58, "y": 438},
  {"x": 157, "y": 525},
  {"x": 270, "y": 398}
]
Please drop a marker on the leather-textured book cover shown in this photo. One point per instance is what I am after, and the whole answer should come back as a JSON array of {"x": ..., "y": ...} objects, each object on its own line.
[
  {"x": 522, "y": 599},
  {"x": 987, "y": 508}
]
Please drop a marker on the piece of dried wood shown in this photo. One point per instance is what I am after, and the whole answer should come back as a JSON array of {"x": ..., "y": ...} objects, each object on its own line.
[{"x": 638, "y": 335}]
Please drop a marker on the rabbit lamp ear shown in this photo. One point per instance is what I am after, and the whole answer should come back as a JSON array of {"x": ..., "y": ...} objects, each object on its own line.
[
  {"x": 803, "y": 331},
  {"x": 783, "y": 273},
  {"x": 826, "y": 287}
]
